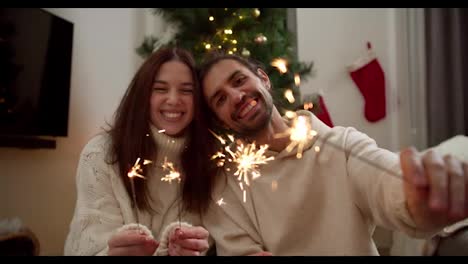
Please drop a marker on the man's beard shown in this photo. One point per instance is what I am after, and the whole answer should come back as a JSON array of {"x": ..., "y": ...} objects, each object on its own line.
[{"x": 263, "y": 121}]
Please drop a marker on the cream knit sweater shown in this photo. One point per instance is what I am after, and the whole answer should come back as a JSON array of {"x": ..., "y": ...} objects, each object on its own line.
[
  {"x": 327, "y": 203},
  {"x": 103, "y": 205}
]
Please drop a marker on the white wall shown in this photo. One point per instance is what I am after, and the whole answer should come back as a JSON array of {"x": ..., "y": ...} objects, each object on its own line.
[
  {"x": 333, "y": 39},
  {"x": 38, "y": 186}
]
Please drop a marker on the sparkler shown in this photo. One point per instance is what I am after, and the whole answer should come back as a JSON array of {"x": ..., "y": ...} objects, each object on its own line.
[
  {"x": 301, "y": 132},
  {"x": 136, "y": 171},
  {"x": 247, "y": 157},
  {"x": 173, "y": 174}
]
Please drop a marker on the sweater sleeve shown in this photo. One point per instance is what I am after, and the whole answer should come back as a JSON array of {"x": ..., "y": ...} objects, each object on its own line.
[
  {"x": 230, "y": 227},
  {"x": 378, "y": 189},
  {"x": 97, "y": 214},
  {"x": 163, "y": 249}
]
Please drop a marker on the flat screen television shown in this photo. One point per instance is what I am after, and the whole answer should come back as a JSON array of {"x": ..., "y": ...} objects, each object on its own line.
[{"x": 35, "y": 73}]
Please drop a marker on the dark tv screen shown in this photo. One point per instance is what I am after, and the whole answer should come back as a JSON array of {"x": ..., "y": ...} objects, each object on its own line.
[{"x": 35, "y": 70}]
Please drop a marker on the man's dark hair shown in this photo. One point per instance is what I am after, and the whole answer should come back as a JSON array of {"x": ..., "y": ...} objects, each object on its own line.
[{"x": 216, "y": 56}]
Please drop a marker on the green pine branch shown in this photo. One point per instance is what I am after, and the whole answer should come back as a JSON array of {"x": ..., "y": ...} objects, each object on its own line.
[{"x": 259, "y": 33}]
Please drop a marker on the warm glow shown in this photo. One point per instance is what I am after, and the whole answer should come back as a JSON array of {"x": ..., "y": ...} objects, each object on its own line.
[
  {"x": 289, "y": 95},
  {"x": 173, "y": 173},
  {"x": 248, "y": 158},
  {"x": 290, "y": 114},
  {"x": 297, "y": 79},
  {"x": 280, "y": 64},
  {"x": 274, "y": 185},
  {"x": 299, "y": 134},
  {"x": 136, "y": 170},
  {"x": 208, "y": 46},
  {"x": 211, "y": 18},
  {"x": 228, "y": 31},
  {"x": 220, "y": 202},
  {"x": 308, "y": 105}
]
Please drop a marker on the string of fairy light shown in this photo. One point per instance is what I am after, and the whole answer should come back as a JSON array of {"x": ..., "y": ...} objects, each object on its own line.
[{"x": 225, "y": 39}]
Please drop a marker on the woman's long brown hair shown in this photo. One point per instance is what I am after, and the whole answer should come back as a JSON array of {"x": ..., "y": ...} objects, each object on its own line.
[{"x": 131, "y": 126}]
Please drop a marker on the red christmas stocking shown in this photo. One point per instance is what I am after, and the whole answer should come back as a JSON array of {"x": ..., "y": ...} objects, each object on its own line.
[
  {"x": 323, "y": 113},
  {"x": 369, "y": 77}
]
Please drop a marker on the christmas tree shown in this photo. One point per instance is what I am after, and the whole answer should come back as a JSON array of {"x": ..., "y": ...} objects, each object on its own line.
[{"x": 259, "y": 33}]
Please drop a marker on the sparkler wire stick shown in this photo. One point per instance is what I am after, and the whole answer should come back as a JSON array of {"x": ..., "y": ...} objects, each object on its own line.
[
  {"x": 135, "y": 172},
  {"x": 369, "y": 162},
  {"x": 134, "y": 202}
]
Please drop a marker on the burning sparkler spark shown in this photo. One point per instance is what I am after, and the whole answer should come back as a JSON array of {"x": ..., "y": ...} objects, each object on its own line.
[
  {"x": 222, "y": 140},
  {"x": 248, "y": 158},
  {"x": 299, "y": 134},
  {"x": 173, "y": 173},
  {"x": 136, "y": 171},
  {"x": 221, "y": 202}
]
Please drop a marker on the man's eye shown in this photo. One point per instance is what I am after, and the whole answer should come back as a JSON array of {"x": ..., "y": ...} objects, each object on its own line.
[
  {"x": 239, "y": 80},
  {"x": 221, "y": 100}
]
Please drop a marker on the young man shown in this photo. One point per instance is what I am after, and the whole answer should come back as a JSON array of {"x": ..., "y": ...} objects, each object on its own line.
[{"x": 327, "y": 202}]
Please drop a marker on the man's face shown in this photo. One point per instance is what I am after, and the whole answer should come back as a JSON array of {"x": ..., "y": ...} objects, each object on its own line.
[{"x": 239, "y": 98}]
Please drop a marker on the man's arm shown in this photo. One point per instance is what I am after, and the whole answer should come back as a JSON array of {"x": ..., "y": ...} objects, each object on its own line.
[{"x": 376, "y": 187}]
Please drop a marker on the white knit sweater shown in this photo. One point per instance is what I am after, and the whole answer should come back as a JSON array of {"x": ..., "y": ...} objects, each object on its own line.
[
  {"x": 103, "y": 205},
  {"x": 326, "y": 203}
]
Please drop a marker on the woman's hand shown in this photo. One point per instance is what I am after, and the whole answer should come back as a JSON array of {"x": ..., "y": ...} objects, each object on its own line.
[
  {"x": 131, "y": 243},
  {"x": 188, "y": 241}
]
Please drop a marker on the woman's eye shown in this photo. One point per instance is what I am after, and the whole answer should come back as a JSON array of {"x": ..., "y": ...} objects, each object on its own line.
[
  {"x": 187, "y": 91},
  {"x": 159, "y": 89}
]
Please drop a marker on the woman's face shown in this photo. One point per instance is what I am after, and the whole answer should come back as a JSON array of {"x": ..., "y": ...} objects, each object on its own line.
[{"x": 172, "y": 98}]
